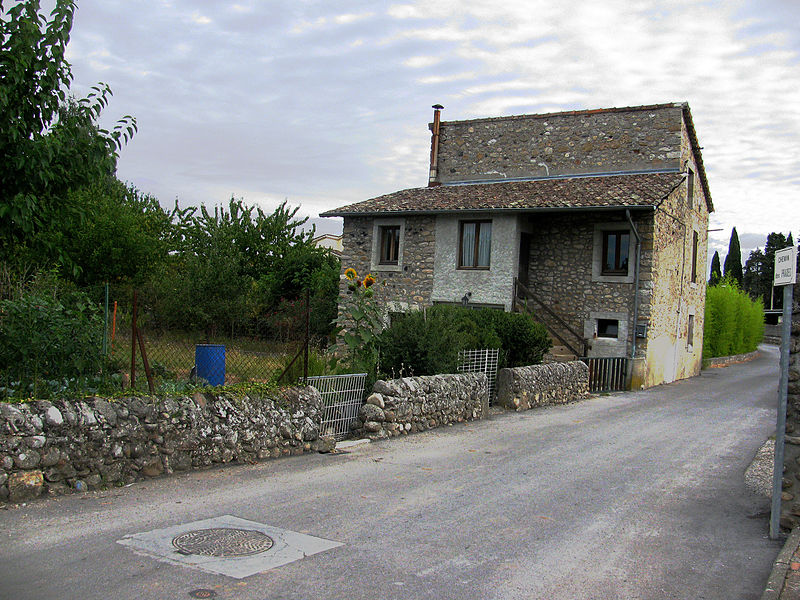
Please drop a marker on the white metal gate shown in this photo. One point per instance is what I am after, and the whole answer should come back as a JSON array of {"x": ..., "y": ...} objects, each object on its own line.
[
  {"x": 480, "y": 361},
  {"x": 342, "y": 396}
]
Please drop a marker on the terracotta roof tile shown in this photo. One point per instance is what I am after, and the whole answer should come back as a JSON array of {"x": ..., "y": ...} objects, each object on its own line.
[{"x": 647, "y": 189}]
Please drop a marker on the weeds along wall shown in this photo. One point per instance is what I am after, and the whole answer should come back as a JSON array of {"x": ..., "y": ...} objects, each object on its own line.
[{"x": 59, "y": 446}]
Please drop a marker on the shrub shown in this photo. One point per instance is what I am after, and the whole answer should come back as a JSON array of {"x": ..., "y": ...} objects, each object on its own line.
[
  {"x": 427, "y": 342},
  {"x": 49, "y": 337},
  {"x": 734, "y": 323}
]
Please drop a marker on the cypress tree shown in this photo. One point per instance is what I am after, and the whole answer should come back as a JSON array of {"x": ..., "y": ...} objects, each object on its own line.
[
  {"x": 733, "y": 261},
  {"x": 716, "y": 271}
]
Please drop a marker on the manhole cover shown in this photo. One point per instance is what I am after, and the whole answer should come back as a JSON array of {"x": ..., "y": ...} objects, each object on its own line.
[
  {"x": 202, "y": 593},
  {"x": 222, "y": 542}
]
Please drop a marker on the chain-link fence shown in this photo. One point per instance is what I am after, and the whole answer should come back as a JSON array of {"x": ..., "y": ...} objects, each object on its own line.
[
  {"x": 256, "y": 349},
  {"x": 100, "y": 340}
]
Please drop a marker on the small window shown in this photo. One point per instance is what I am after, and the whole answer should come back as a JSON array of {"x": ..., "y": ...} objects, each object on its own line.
[
  {"x": 695, "y": 243},
  {"x": 475, "y": 245},
  {"x": 690, "y": 188},
  {"x": 608, "y": 328},
  {"x": 389, "y": 244},
  {"x": 690, "y": 332},
  {"x": 616, "y": 246}
]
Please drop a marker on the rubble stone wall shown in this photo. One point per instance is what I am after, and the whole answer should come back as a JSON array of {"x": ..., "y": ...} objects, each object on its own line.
[
  {"x": 558, "y": 144},
  {"x": 412, "y": 404},
  {"x": 66, "y": 445},
  {"x": 522, "y": 388}
]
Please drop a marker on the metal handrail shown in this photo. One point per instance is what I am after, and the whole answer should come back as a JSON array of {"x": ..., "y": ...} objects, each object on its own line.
[{"x": 520, "y": 287}]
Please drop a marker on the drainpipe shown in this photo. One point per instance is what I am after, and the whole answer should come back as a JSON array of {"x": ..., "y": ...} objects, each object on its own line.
[
  {"x": 635, "y": 281},
  {"x": 434, "y": 175}
]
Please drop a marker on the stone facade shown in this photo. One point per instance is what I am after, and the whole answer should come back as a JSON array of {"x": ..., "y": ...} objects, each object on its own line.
[
  {"x": 674, "y": 296},
  {"x": 412, "y": 404},
  {"x": 522, "y": 388},
  {"x": 582, "y": 171},
  {"x": 560, "y": 144},
  {"x": 405, "y": 287},
  {"x": 561, "y": 272},
  {"x": 67, "y": 445}
]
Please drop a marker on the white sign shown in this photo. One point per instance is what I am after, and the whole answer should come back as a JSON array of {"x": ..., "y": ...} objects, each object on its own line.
[{"x": 785, "y": 266}]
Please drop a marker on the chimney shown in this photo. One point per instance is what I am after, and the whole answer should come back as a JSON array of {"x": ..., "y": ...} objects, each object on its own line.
[{"x": 433, "y": 176}]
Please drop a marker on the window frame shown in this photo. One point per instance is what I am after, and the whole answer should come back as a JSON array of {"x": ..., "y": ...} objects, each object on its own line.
[
  {"x": 619, "y": 271},
  {"x": 608, "y": 322},
  {"x": 376, "y": 227},
  {"x": 695, "y": 248},
  {"x": 476, "y": 245},
  {"x": 386, "y": 259}
]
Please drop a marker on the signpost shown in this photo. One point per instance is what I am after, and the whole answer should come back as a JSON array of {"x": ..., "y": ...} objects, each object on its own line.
[{"x": 786, "y": 276}]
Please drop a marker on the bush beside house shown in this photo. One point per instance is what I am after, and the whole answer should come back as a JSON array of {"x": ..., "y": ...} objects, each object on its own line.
[{"x": 734, "y": 322}]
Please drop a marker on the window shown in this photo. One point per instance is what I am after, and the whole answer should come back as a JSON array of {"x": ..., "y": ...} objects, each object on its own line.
[
  {"x": 695, "y": 241},
  {"x": 389, "y": 244},
  {"x": 475, "y": 244},
  {"x": 690, "y": 188},
  {"x": 690, "y": 332},
  {"x": 616, "y": 245},
  {"x": 608, "y": 328}
]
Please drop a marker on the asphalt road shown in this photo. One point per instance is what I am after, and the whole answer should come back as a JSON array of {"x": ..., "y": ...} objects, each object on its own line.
[{"x": 637, "y": 495}]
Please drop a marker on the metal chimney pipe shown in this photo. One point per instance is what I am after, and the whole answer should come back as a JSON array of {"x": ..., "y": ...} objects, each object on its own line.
[{"x": 433, "y": 176}]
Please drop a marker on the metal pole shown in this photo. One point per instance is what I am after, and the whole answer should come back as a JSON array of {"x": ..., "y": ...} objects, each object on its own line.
[
  {"x": 105, "y": 329},
  {"x": 308, "y": 335},
  {"x": 133, "y": 341},
  {"x": 780, "y": 431}
]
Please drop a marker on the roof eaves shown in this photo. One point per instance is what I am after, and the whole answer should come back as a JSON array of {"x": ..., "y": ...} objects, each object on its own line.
[
  {"x": 461, "y": 211},
  {"x": 570, "y": 113},
  {"x": 687, "y": 113}
]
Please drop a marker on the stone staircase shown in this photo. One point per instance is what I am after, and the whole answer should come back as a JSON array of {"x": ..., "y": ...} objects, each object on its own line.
[{"x": 558, "y": 353}]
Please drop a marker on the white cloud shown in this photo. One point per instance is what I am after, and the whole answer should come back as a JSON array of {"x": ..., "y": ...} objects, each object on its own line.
[
  {"x": 329, "y": 104},
  {"x": 200, "y": 19},
  {"x": 421, "y": 62}
]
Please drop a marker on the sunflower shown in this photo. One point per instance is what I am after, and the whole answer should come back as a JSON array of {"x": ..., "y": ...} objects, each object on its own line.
[
  {"x": 369, "y": 280},
  {"x": 350, "y": 273}
]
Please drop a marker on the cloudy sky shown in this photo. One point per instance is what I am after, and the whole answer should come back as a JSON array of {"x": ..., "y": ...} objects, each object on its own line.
[{"x": 327, "y": 103}]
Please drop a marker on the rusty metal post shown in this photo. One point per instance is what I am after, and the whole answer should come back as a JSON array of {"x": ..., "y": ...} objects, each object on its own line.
[
  {"x": 133, "y": 339},
  {"x": 308, "y": 335},
  {"x": 146, "y": 363}
]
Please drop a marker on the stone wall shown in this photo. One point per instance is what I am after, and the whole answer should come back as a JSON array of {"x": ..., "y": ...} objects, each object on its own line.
[
  {"x": 670, "y": 355},
  {"x": 522, "y": 388},
  {"x": 412, "y": 404},
  {"x": 65, "y": 445},
  {"x": 562, "y": 273},
  {"x": 790, "y": 505},
  {"x": 407, "y": 285},
  {"x": 558, "y": 144}
]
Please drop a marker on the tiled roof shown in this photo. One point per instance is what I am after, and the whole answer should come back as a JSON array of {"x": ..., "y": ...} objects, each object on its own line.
[{"x": 608, "y": 191}]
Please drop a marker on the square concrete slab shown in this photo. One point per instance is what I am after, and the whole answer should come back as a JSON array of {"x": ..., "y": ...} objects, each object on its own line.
[{"x": 226, "y": 545}]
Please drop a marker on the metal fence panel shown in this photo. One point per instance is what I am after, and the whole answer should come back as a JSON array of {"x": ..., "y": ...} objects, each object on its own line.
[
  {"x": 342, "y": 396},
  {"x": 607, "y": 374},
  {"x": 480, "y": 361}
]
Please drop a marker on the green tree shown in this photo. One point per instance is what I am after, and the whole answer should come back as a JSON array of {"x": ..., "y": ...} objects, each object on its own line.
[
  {"x": 755, "y": 276},
  {"x": 716, "y": 272},
  {"x": 123, "y": 236},
  {"x": 733, "y": 261},
  {"x": 50, "y": 142}
]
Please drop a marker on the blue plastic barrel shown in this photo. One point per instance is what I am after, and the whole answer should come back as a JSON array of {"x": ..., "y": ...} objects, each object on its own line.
[{"x": 210, "y": 362}]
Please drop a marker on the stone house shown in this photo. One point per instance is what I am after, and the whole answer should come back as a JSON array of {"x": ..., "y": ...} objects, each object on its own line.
[{"x": 595, "y": 219}]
